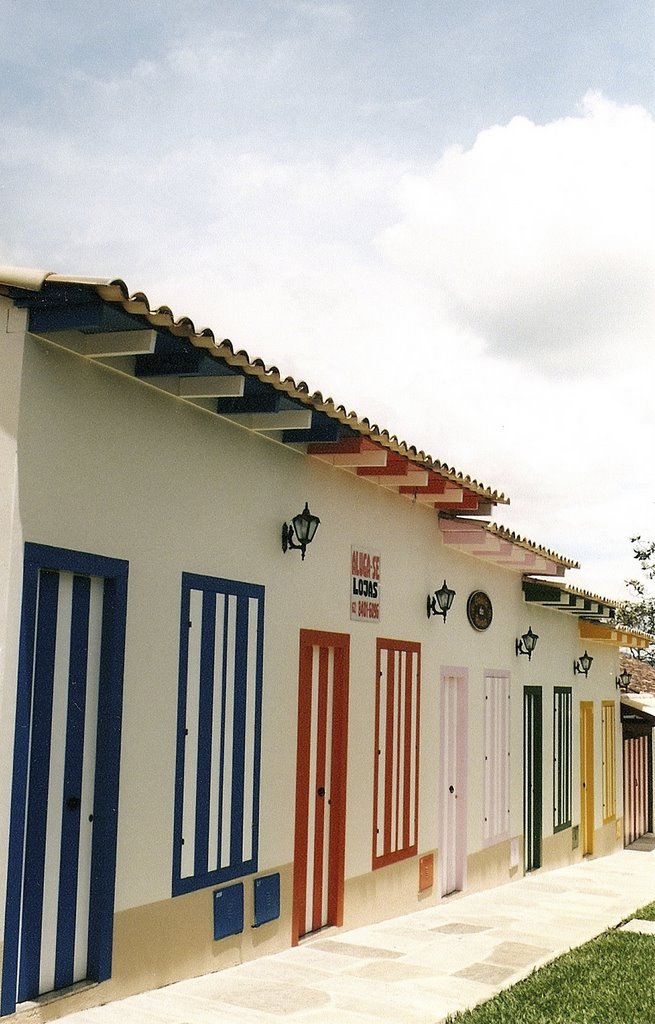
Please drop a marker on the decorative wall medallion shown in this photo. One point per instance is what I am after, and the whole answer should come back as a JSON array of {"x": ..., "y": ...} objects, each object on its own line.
[{"x": 479, "y": 610}]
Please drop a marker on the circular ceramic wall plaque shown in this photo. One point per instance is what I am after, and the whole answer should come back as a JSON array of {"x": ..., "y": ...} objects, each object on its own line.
[{"x": 479, "y": 610}]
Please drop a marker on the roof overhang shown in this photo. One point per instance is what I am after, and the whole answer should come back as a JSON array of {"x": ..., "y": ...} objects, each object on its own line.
[
  {"x": 616, "y": 636},
  {"x": 502, "y": 547},
  {"x": 99, "y": 320},
  {"x": 568, "y": 599},
  {"x": 639, "y": 707}
]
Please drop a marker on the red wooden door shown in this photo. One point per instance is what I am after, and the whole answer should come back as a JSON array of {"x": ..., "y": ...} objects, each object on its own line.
[{"x": 320, "y": 782}]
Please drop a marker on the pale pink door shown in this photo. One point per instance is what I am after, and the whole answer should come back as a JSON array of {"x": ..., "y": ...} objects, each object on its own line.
[{"x": 454, "y": 758}]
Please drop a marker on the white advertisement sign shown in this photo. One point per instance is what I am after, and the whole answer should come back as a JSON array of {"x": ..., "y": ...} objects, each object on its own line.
[{"x": 364, "y": 585}]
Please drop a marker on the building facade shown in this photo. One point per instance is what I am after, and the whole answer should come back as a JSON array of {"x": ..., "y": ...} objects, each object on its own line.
[{"x": 215, "y": 748}]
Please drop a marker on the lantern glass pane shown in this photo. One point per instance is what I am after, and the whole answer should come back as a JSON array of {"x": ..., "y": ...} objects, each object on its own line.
[
  {"x": 312, "y": 527},
  {"x": 529, "y": 640},
  {"x": 445, "y": 597},
  {"x": 301, "y": 527}
]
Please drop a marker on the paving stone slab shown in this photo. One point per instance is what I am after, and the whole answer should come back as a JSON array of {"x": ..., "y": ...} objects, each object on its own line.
[
  {"x": 646, "y": 843},
  {"x": 461, "y": 928},
  {"x": 517, "y": 954},
  {"x": 389, "y": 1002},
  {"x": 355, "y": 949},
  {"x": 272, "y": 997},
  {"x": 641, "y": 927},
  {"x": 489, "y": 974},
  {"x": 534, "y": 938},
  {"x": 392, "y": 971}
]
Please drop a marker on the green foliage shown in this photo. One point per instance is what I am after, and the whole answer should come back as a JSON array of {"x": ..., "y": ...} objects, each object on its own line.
[
  {"x": 610, "y": 980},
  {"x": 639, "y": 613},
  {"x": 645, "y": 555}
]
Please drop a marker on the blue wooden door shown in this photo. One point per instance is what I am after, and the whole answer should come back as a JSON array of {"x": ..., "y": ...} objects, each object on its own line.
[{"x": 64, "y": 803}]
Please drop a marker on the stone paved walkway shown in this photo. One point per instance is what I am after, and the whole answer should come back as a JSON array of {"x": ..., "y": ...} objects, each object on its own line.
[{"x": 415, "y": 969}]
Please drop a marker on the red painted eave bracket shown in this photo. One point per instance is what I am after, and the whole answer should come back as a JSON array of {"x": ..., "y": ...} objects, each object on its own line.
[{"x": 346, "y": 446}]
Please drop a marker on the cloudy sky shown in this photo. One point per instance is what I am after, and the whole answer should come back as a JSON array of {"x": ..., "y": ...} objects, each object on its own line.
[{"x": 439, "y": 212}]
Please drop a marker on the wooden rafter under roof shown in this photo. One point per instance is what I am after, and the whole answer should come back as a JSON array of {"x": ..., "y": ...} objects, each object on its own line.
[
  {"x": 502, "y": 547},
  {"x": 568, "y": 599},
  {"x": 617, "y": 636},
  {"x": 99, "y": 320}
]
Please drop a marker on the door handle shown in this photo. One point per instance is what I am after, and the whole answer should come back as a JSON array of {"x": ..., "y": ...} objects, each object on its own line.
[
  {"x": 73, "y": 803},
  {"x": 451, "y": 789},
  {"x": 321, "y": 791}
]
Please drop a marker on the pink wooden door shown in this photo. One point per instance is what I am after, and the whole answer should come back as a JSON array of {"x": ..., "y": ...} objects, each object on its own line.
[{"x": 454, "y": 758}]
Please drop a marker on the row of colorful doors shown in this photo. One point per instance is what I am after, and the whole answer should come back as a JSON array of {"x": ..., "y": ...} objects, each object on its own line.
[
  {"x": 320, "y": 827},
  {"x": 62, "y": 843}
]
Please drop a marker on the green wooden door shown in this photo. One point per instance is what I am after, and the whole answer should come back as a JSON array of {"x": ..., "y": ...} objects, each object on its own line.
[{"x": 532, "y": 776}]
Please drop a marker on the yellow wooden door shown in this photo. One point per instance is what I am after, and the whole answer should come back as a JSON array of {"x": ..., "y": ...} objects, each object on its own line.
[{"x": 587, "y": 776}]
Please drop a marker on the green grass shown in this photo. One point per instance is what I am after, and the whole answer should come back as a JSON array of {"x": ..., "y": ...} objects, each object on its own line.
[
  {"x": 644, "y": 913},
  {"x": 610, "y": 980}
]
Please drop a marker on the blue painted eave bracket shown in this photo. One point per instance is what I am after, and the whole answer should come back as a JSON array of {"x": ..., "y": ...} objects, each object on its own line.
[
  {"x": 64, "y": 307},
  {"x": 73, "y": 308}
]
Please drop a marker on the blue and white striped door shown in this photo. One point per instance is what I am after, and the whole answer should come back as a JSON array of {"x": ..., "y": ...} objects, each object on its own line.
[
  {"x": 61, "y": 867},
  {"x": 54, "y": 922}
]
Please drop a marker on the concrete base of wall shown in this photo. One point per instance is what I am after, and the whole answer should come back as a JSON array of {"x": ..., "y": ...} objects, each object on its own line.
[
  {"x": 558, "y": 851},
  {"x": 166, "y": 942},
  {"x": 492, "y": 866},
  {"x": 388, "y": 892},
  {"x": 608, "y": 838}
]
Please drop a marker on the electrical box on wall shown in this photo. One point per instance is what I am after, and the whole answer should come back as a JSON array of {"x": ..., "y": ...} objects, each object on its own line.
[
  {"x": 267, "y": 899},
  {"x": 426, "y": 872},
  {"x": 228, "y": 911}
]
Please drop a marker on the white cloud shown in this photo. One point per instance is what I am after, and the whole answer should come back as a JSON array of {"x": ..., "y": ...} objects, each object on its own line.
[
  {"x": 541, "y": 237},
  {"x": 430, "y": 299}
]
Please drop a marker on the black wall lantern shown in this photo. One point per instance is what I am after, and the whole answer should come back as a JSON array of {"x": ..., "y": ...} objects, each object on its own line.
[
  {"x": 303, "y": 527},
  {"x": 583, "y": 664},
  {"x": 623, "y": 680},
  {"x": 527, "y": 643},
  {"x": 443, "y": 597}
]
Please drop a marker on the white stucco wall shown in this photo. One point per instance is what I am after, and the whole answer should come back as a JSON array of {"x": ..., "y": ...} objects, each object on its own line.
[
  {"x": 111, "y": 466},
  {"x": 12, "y": 336}
]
